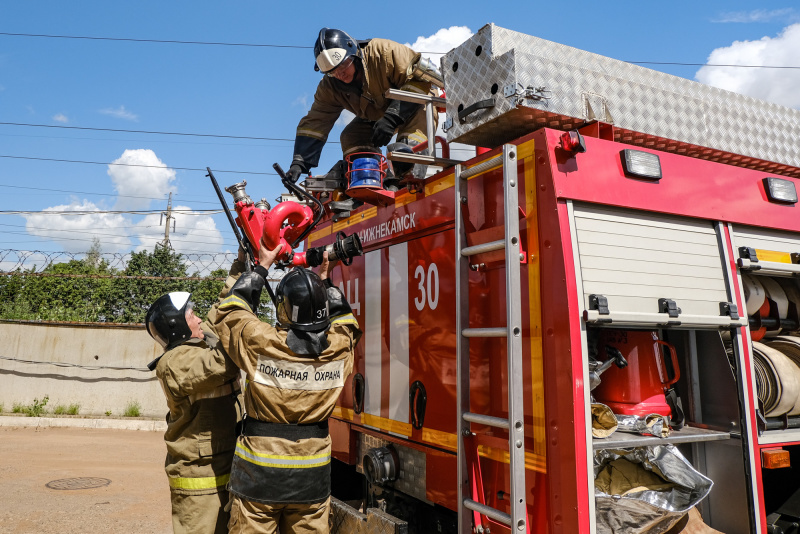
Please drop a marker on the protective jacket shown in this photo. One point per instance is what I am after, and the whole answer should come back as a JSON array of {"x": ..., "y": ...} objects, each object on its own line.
[
  {"x": 201, "y": 385},
  {"x": 386, "y": 65},
  {"x": 284, "y": 453}
]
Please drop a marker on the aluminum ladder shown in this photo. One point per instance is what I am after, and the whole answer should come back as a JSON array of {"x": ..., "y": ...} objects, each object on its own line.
[
  {"x": 470, "y": 487},
  {"x": 429, "y": 102}
]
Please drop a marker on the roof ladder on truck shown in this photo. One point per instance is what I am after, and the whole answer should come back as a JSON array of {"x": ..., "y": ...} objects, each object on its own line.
[
  {"x": 429, "y": 102},
  {"x": 471, "y": 497}
]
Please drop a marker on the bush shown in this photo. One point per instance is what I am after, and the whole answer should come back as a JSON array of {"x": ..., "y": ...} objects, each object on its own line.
[
  {"x": 37, "y": 408},
  {"x": 17, "y": 408},
  {"x": 133, "y": 409}
]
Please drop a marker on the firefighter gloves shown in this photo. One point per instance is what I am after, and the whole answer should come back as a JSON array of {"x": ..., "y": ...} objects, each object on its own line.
[
  {"x": 248, "y": 288},
  {"x": 384, "y": 129},
  {"x": 294, "y": 173}
]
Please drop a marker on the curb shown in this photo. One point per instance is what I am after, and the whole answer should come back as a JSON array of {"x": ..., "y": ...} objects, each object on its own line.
[{"x": 75, "y": 422}]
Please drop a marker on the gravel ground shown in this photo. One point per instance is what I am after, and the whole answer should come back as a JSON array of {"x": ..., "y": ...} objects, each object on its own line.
[{"x": 136, "y": 500}]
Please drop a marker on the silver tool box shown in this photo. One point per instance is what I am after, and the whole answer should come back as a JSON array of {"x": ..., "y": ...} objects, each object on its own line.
[{"x": 502, "y": 84}]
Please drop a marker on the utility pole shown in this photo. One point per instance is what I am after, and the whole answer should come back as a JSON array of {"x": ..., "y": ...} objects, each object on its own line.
[{"x": 169, "y": 216}]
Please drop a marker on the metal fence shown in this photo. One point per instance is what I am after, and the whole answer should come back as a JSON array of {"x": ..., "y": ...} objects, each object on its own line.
[{"x": 106, "y": 288}]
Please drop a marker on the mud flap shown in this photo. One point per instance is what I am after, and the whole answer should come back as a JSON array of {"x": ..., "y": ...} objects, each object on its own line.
[{"x": 344, "y": 519}]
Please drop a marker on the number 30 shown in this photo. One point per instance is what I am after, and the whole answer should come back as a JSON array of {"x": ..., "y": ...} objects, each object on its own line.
[{"x": 428, "y": 289}]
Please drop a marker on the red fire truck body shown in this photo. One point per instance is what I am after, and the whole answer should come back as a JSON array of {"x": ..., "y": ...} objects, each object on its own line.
[{"x": 586, "y": 224}]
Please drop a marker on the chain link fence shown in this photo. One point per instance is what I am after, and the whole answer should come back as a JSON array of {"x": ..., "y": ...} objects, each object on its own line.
[{"x": 107, "y": 288}]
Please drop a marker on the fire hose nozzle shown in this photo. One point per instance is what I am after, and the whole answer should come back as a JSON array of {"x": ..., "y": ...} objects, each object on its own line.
[{"x": 345, "y": 248}]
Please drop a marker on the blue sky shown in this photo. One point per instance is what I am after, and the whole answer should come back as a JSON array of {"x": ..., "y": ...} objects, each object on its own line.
[{"x": 261, "y": 91}]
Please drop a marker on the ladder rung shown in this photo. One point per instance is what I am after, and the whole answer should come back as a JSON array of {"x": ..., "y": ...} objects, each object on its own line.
[
  {"x": 416, "y": 98},
  {"x": 483, "y": 247},
  {"x": 489, "y": 164},
  {"x": 488, "y": 511},
  {"x": 485, "y": 332},
  {"x": 489, "y": 420},
  {"x": 422, "y": 159}
]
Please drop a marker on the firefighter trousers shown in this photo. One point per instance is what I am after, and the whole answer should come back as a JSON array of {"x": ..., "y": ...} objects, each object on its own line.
[
  {"x": 253, "y": 517},
  {"x": 200, "y": 514},
  {"x": 357, "y": 136}
]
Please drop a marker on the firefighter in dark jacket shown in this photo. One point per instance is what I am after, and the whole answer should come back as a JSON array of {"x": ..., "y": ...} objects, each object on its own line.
[
  {"x": 201, "y": 385},
  {"x": 357, "y": 76},
  {"x": 281, "y": 471}
]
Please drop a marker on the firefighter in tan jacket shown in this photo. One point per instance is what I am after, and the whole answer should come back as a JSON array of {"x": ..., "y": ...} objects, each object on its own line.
[
  {"x": 357, "y": 76},
  {"x": 281, "y": 471},
  {"x": 201, "y": 385}
]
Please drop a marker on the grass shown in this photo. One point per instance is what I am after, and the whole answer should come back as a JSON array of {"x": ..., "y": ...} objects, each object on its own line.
[
  {"x": 72, "y": 409},
  {"x": 133, "y": 409},
  {"x": 37, "y": 409}
]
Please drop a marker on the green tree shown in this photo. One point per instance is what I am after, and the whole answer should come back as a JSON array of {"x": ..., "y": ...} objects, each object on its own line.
[
  {"x": 55, "y": 295},
  {"x": 130, "y": 298}
]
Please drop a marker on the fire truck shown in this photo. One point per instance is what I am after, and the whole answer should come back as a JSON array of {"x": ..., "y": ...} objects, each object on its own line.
[{"x": 605, "y": 201}]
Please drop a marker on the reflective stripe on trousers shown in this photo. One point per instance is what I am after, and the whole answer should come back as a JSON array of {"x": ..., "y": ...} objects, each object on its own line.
[
  {"x": 198, "y": 483},
  {"x": 272, "y": 478}
]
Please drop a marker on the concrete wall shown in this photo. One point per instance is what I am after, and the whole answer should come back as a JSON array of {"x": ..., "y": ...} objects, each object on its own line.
[{"x": 58, "y": 349}]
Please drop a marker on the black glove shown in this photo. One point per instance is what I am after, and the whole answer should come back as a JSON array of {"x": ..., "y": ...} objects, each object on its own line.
[
  {"x": 383, "y": 130},
  {"x": 294, "y": 173},
  {"x": 248, "y": 288}
]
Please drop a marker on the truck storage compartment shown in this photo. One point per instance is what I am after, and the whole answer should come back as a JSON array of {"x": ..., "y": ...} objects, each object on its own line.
[
  {"x": 502, "y": 84},
  {"x": 706, "y": 384}
]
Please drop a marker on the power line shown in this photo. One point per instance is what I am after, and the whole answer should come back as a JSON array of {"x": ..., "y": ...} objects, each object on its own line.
[
  {"x": 711, "y": 65},
  {"x": 139, "y": 236},
  {"x": 97, "y": 194},
  {"x": 193, "y": 231},
  {"x": 165, "y": 41},
  {"x": 134, "y": 165},
  {"x": 220, "y": 136},
  {"x": 261, "y": 45},
  {"x": 98, "y": 212}
]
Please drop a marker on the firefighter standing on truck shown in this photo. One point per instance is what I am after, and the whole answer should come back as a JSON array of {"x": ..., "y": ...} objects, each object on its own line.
[
  {"x": 281, "y": 474},
  {"x": 201, "y": 385},
  {"x": 357, "y": 76}
]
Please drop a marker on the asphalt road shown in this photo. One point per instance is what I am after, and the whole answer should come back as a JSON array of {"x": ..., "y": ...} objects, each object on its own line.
[{"x": 127, "y": 466}]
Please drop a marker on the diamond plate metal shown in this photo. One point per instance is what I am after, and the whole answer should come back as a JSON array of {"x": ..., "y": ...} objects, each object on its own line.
[
  {"x": 642, "y": 104},
  {"x": 411, "y": 478},
  {"x": 345, "y": 519}
]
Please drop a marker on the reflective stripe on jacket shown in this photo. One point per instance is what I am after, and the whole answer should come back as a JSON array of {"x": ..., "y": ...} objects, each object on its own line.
[
  {"x": 201, "y": 386},
  {"x": 283, "y": 387}
]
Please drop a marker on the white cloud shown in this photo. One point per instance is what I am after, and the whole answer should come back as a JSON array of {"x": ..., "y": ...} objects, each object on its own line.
[
  {"x": 192, "y": 233},
  {"x": 139, "y": 173},
  {"x": 302, "y": 102},
  {"x": 345, "y": 118},
  {"x": 75, "y": 232},
  {"x": 120, "y": 113},
  {"x": 757, "y": 15},
  {"x": 774, "y": 85},
  {"x": 60, "y": 117},
  {"x": 435, "y": 46}
]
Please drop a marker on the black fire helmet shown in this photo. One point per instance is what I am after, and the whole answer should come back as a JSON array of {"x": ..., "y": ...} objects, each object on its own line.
[
  {"x": 302, "y": 308},
  {"x": 331, "y": 48},
  {"x": 166, "y": 319}
]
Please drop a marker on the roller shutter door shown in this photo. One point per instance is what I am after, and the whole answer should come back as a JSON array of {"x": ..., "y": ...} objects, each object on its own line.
[{"x": 635, "y": 258}]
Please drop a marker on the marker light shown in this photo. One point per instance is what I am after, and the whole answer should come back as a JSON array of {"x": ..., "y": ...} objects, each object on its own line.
[
  {"x": 641, "y": 164},
  {"x": 780, "y": 190},
  {"x": 572, "y": 141}
]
